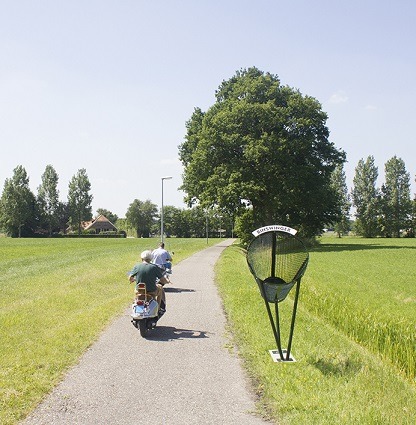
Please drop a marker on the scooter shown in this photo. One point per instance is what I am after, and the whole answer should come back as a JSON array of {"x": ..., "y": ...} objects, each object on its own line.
[
  {"x": 167, "y": 268},
  {"x": 167, "y": 271},
  {"x": 145, "y": 311}
]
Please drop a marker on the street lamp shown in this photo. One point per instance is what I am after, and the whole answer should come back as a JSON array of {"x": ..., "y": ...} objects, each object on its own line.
[
  {"x": 220, "y": 229},
  {"x": 206, "y": 224},
  {"x": 161, "y": 211}
]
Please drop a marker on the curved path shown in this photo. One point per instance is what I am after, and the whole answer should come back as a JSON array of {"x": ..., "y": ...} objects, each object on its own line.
[{"x": 182, "y": 374}]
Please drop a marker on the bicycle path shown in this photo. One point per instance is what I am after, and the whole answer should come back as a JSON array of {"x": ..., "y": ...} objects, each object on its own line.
[{"x": 183, "y": 373}]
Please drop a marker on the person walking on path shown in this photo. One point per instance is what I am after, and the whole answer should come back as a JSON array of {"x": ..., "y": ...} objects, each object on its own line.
[{"x": 182, "y": 374}]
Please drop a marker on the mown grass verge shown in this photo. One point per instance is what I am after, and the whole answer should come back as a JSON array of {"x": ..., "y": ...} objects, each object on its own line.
[
  {"x": 56, "y": 296},
  {"x": 344, "y": 374}
]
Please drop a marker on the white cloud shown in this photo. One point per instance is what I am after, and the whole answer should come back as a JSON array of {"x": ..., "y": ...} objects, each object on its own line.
[{"x": 338, "y": 97}]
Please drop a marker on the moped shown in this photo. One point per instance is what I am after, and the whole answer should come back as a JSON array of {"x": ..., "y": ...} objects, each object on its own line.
[{"x": 144, "y": 311}]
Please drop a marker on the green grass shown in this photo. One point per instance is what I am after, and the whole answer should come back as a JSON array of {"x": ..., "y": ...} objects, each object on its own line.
[
  {"x": 354, "y": 338},
  {"x": 366, "y": 287},
  {"x": 56, "y": 296}
]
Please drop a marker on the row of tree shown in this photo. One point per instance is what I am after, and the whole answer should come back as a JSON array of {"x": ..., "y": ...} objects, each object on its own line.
[
  {"x": 386, "y": 211},
  {"x": 143, "y": 219},
  {"x": 260, "y": 155},
  {"x": 22, "y": 213}
]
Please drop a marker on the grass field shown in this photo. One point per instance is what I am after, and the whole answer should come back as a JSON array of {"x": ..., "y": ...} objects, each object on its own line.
[
  {"x": 56, "y": 296},
  {"x": 369, "y": 293},
  {"x": 354, "y": 339}
]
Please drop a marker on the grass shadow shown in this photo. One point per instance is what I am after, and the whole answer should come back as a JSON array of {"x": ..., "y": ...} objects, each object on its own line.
[
  {"x": 355, "y": 247},
  {"x": 335, "y": 365}
]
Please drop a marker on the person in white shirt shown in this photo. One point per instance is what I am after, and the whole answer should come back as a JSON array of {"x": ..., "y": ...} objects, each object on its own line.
[{"x": 161, "y": 257}]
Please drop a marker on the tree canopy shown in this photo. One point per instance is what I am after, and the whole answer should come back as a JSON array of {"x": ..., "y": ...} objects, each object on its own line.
[
  {"x": 366, "y": 198},
  {"x": 264, "y": 146},
  {"x": 17, "y": 203},
  {"x": 48, "y": 197},
  {"x": 396, "y": 200},
  {"x": 141, "y": 216},
  {"x": 339, "y": 184},
  {"x": 79, "y": 198}
]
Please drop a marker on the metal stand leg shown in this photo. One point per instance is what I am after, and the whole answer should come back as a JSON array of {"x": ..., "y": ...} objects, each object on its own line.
[{"x": 275, "y": 323}]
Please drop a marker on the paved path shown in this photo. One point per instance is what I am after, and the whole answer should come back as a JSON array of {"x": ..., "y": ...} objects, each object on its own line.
[{"x": 182, "y": 374}]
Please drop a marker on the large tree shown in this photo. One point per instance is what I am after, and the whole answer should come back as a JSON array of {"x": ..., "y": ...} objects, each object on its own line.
[
  {"x": 17, "y": 204},
  {"x": 48, "y": 197},
  {"x": 366, "y": 198},
  {"x": 141, "y": 216},
  {"x": 265, "y": 146},
  {"x": 395, "y": 198},
  {"x": 79, "y": 199}
]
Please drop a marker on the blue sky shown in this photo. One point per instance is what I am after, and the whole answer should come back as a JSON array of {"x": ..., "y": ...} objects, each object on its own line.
[{"x": 108, "y": 85}]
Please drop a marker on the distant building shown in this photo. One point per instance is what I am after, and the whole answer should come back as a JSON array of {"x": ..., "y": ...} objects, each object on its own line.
[{"x": 100, "y": 224}]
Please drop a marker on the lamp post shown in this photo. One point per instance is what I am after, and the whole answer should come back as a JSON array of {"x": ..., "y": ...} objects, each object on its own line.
[
  {"x": 161, "y": 211},
  {"x": 206, "y": 224}
]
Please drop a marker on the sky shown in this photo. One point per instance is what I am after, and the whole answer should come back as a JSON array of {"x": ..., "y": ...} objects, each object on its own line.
[{"x": 109, "y": 85}]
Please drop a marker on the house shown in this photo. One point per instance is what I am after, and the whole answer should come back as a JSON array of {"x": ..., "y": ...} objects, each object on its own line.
[{"x": 100, "y": 224}]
